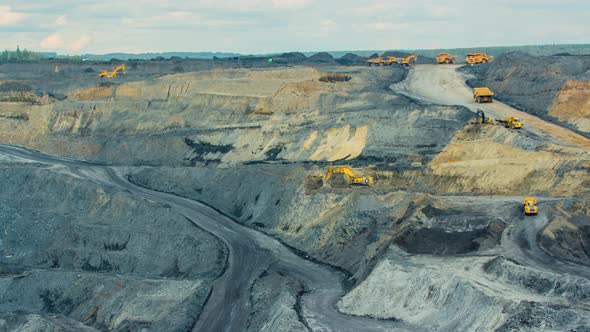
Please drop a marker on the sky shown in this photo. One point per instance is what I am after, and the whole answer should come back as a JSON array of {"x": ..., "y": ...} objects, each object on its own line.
[{"x": 269, "y": 26}]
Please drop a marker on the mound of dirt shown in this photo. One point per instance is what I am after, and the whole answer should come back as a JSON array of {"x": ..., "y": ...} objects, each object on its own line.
[
  {"x": 350, "y": 59},
  {"x": 294, "y": 57},
  {"x": 322, "y": 57}
]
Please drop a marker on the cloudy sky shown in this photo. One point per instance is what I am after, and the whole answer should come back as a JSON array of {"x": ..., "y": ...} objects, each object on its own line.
[{"x": 266, "y": 26}]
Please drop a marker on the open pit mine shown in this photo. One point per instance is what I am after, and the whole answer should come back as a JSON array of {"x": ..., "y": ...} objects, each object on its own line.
[{"x": 319, "y": 194}]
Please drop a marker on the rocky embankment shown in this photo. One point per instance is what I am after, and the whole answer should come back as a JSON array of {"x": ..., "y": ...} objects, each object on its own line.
[{"x": 79, "y": 256}]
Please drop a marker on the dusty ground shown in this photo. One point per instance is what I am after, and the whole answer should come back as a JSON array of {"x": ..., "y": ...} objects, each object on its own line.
[{"x": 443, "y": 216}]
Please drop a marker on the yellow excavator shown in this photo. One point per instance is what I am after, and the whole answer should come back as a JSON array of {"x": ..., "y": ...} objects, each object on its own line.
[
  {"x": 106, "y": 74},
  {"x": 406, "y": 61},
  {"x": 352, "y": 178},
  {"x": 484, "y": 119},
  {"x": 445, "y": 57},
  {"x": 382, "y": 62}
]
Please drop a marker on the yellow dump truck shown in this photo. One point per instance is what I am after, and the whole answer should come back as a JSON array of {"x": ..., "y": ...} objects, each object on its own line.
[
  {"x": 445, "y": 57},
  {"x": 477, "y": 58},
  {"x": 530, "y": 206},
  {"x": 483, "y": 95},
  {"x": 382, "y": 62}
]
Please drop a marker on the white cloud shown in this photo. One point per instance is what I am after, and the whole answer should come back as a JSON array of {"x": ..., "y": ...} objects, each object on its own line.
[
  {"x": 57, "y": 42},
  {"x": 326, "y": 27},
  {"x": 261, "y": 26},
  {"x": 388, "y": 26},
  {"x": 52, "y": 42},
  {"x": 180, "y": 20},
  {"x": 79, "y": 44},
  {"x": 240, "y": 5},
  {"x": 9, "y": 17},
  {"x": 60, "y": 21},
  {"x": 290, "y": 4}
]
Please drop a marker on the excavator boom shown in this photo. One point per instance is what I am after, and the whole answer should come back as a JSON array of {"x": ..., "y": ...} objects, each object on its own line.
[
  {"x": 406, "y": 61},
  {"x": 106, "y": 74}
]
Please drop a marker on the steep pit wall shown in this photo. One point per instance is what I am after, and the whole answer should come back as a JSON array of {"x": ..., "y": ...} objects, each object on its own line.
[
  {"x": 572, "y": 104},
  {"x": 492, "y": 160},
  {"x": 567, "y": 236},
  {"x": 236, "y": 116},
  {"x": 346, "y": 227},
  {"x": 469, "y": 293},
  {"x": 97, "y": 256},
  {"x": 276, "y": 304}
]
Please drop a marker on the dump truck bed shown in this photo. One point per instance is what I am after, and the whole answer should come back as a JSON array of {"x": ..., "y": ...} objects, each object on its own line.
[{"x": 485, "y": 92}]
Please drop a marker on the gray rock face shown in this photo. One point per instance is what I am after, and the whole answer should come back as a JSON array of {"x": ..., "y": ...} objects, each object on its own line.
[
  {"x": 275, "y": 304},
  {"x": 74, "y": 249}
]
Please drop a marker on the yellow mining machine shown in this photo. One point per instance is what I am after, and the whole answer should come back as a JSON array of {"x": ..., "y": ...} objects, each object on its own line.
[
  {"x": 379, "y": 61},
  {"x": 484, "y": 119},
  {"x": 511, "y": 122},
  {"x": 445, "y": 57},
  {"x": 483, "y": 95},
  {"x": 530, "y": 206},
  {"x": 106, "y": 74},
  {"x": 477, "y": 58},
  {"x": 349, "y": 174},
  {"x": 412, "y": 57}
]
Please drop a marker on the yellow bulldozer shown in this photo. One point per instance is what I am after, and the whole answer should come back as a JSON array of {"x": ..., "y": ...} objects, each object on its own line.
[
  {"x": 477, "y": 58},
  {"x": 445, "y": 57},
  {"x": 379, "y": 61},
  {"x": 483, "y": 95},
  {"x": 106, "y": 74},
  {"x": 511, "y": 122},
  {"x": 349, "y": 175}
]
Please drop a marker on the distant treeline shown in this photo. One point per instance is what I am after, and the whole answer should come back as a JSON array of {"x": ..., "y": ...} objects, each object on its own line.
[
  {"x": 20, "y": 55},
  {"x": 539, "y": 50}
]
